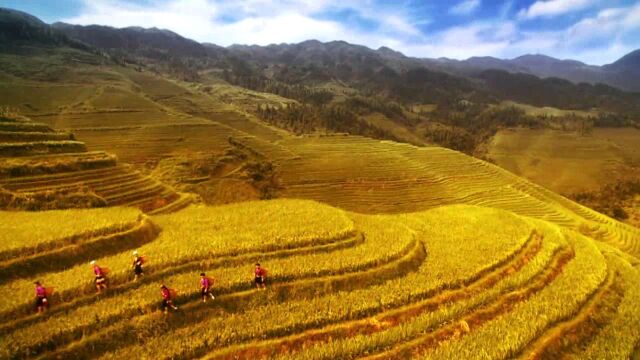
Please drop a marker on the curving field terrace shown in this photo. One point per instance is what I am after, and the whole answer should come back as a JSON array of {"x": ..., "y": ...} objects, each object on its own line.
[
  {"x": 37, "y": 160},
  {"x": 370, "y": 176},
  {"x": 341, "y": 285}
]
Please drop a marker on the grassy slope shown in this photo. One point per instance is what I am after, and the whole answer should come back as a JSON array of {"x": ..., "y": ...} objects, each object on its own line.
[
  {"x": 547, "y": 110},
  {"x": 564, "y": 161}
]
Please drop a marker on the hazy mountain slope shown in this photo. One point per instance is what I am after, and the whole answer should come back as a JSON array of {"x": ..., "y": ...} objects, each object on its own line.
[
  {"x": 559, "y": 93},
  {"x": 628, "y": 63},
  {"x": 154, "y": 43},
  {"x": 17, "y": 27},
  {"x": 622, "y": 74}
]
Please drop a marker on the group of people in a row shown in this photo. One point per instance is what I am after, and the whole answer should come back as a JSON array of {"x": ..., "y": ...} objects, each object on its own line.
[{"x": 101, "y": 283}]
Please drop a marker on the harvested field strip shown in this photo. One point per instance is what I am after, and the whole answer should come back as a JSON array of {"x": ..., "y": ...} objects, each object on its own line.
[
  {"x": 131, "y": 236},
  {"x": 41, "y": 147},
  {"x": 575, "y": 332},
  {"x": 10, "y": 137},
  {"x": 126, "y": 198},
  {"x": 562, "y": 297},
  {"x": 383, "y": 320},
  {"x": 64, "y": 156},
  {"x": 624, "y": 327},
  {"x": 64, "y": 177},
  {"x": 15, "y": 169},
  {"x": 478, "y": 316},
  {"x": 24, "y": 127},
  {"x": 112, "y": 188},
  {"x": 92, "y": 181},
  {"x": 17, "y": 254},
  {"x": 22, "y": 234},
  {"x": 149, "y": 200},
  {"x": 13, "y": 119},
  {"x": 623, "y": 236}
]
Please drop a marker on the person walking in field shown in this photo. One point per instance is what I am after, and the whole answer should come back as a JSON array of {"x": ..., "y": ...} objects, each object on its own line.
[
  {"x": 100, "y": 276},
  {"x": 260, "y": 277},
  {"x": 137, "y": 265},
  {"x": 42, "y": 302},
  {"x": 205, "y": 287},
  {"x": 167, "y": 299}
]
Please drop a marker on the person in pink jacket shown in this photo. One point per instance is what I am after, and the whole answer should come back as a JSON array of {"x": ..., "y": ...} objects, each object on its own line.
[
  {"x": 167, "y": 299},
  {"x": 205, "y": 287},
  {"x": 100, "y": 276},
  {"x": 42, "y": 302}
]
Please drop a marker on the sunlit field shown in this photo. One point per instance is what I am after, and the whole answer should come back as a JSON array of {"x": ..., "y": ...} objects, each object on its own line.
[{"x": 340, "y": 285}]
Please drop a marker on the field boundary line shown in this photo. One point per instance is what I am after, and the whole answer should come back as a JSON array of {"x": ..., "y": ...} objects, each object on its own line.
[
  {"x": 383, "y": 320},
  {"x": 547, "y": 345},
  {"x": 476, "y": 317},
  {"x": 10, "y": 255}
]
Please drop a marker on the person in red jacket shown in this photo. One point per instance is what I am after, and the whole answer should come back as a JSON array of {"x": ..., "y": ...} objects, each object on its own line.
[
  {"x": 101, "y": 276},
  {"x": 205, "y": 287},
  {"x": 167, "y": 299},
  {"x": 42, "y": 302},
  {"x": 260, "y": 277}
]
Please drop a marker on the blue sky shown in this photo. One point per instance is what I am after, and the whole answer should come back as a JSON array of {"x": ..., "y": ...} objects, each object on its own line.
[{"x": 593, "y": 31}]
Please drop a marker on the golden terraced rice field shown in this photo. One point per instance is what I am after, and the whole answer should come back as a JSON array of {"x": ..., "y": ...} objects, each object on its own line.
[{"x": 456, "y": 281}]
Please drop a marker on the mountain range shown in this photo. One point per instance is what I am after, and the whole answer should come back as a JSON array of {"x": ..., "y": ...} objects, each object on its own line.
[
  {"x": 164, "y": 44},
  {"x": 624, "y": 73}
]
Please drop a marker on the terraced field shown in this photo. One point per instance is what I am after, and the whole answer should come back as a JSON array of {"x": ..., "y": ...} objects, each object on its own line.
[
  {"x": 567, "y": 162},
  {"x": 340, "y": 285},
  {"x": 369, "y": 176},
  {"x": 35, "y": 159},
  {"x": 156, "y": 142}
]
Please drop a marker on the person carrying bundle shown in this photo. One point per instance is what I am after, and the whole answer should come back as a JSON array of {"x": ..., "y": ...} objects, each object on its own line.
[
  {"x": 167, "y": 298},
  {"x": 205, "y": 287},
  {"x": 100, "y": 276},
  {"x": 137, "y": 265},
  {"x": 260, "y": 277},
  {"x": 42, "y": 294}
]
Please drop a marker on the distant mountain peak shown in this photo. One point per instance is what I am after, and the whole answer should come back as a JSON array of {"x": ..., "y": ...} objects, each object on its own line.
[
  {"x": 627, "y": 63},
  {"x": 541, "y": 59},
  {"x": 150, "y": 42},
  {"x": 535, "y": 57},
  {"x": 11, "y": 14},
  {"x": 389, "y": 52}
]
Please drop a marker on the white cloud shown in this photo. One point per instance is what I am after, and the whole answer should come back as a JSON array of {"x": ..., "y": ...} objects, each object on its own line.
[
  {"x": 260, "y": 22},
  {"x": 606, "y": 24},
  {"x": 551, "y": 8},
  {"x": 461, "y": 42},
  {"x": 465, "y": 7},
  {"x": 597, "y": 39}
]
